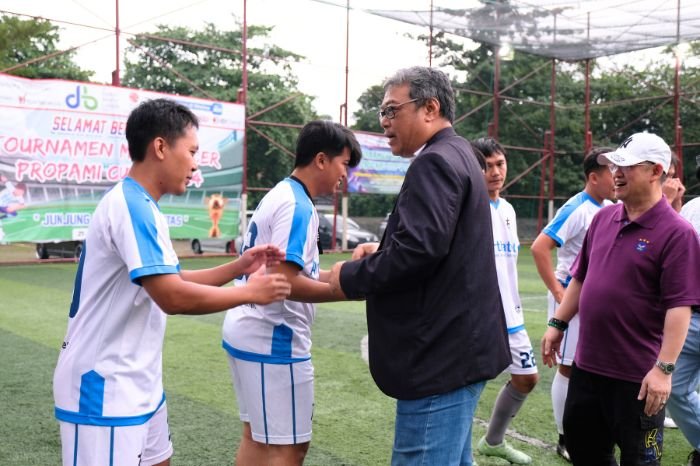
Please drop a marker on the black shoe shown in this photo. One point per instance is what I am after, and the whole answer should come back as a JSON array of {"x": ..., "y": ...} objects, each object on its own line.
[
  {"x": 561, "y": 451},
  {"x": 694, "y": 458}
]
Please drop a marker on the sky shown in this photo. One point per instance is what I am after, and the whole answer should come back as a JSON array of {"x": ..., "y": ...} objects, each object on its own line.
[{"x": 315, "y": 29}]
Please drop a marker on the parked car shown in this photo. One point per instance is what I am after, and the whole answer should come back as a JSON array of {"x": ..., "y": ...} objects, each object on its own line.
[
  {"x": 70, "y": 249},
  {"x": 356, "y": 234},
  {"x": 220, "y": 245}
]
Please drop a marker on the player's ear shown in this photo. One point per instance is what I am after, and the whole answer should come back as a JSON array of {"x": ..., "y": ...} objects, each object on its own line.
[
  {"x": 320, "y": 160},
  {"x": 159, "y": 144}
]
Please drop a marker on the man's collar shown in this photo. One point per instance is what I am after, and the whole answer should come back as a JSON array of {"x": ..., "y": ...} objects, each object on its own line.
[{"x": 648, "y": 219}]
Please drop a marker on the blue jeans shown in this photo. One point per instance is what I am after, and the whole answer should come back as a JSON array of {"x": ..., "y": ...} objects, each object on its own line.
[
  {"x": 436, "y": 430},
  {"x": 684, "y": 403}
]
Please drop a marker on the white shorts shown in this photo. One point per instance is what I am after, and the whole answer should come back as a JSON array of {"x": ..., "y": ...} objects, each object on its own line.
[
  {"x": 142, "y": 445},
  {"x": 277, "y": 400},
  {"x": 522, "y": 354},
  {"x": 570, "y": 339}
]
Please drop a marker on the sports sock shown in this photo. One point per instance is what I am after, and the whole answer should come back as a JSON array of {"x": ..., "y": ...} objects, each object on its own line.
[
  {"x": 507, "y": 406},
  {"x": 560, "y": 386}
]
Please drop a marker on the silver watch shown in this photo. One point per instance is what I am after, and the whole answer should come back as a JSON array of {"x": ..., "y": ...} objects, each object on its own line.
[{"x": 666, "y": 367}]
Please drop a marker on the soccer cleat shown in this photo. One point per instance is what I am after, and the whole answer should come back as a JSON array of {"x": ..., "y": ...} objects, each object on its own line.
[
  {"x": 669, "y": 423},
  {"x": 504, "y": 451},
  {"x": 561, "y": 451},
  {"x": 694, "y": 458}
]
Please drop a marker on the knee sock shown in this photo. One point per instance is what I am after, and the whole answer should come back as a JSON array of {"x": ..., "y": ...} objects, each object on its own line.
[
  {"x": 507, "y": 406},
  {"x": 560, "y": 386}
]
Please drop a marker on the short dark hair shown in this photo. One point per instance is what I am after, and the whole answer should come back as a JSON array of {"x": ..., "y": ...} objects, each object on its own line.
[
  {"x": 327, "y": 137},
  {"x": 426, "y": 83},
  {"x": 156, "y": 118},
  {"x": 479, "y": 156},
  {"x": 488, "y": 147},
  {"x": 590, "y": 160}
]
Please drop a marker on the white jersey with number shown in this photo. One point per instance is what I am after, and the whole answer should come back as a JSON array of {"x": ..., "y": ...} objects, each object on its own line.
[
  {"x": 280, "y": 332},
  {"x": 506, "y": 246},
  {"x": 109, "y": 369},
  {"x": 568, "y": 229}
]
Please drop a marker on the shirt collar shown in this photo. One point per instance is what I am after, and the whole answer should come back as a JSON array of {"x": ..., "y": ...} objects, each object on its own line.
[
  {"x": 648, "y": 219},
  {"x": 292, "y": 177}
]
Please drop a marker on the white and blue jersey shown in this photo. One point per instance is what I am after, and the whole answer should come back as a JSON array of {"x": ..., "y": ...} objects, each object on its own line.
[
  {"x": 568, "y": 229},
  {"x": 109, "y": 369},
  {"x": 506, "y": 246},
  {"x": 280, "y": 332}
]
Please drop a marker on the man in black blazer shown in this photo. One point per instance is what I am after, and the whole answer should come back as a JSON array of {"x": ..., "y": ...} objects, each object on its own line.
[{"x": 435, "y": 321}]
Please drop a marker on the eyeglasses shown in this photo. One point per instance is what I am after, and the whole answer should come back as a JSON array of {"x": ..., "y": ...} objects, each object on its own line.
[
  {"x": 390, "y": 110},
  {"x": 614, "y": 168}
]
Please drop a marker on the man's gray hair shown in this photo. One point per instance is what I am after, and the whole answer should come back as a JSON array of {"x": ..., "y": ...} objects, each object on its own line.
[{"x": 426, "y": 83}]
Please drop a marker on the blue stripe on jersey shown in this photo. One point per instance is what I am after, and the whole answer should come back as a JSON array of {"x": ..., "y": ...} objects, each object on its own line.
[
  {"x": 262, "y": 384},
  {"x": 255, "y": 357},
  {"x": 138, "y": 203},
  {"x": 136, "y": 274},
  {"x": 75, "y": 303},
  {"x": 563, "y": 214},
  {"x": 282, "y": 341},
  {"x": 516, "y": 329},
  {"x": 92, "y": 392},
  {"x": 495, "y": 203},
  {"x": 111, "y": 446},
  {"x": 104, "y": 421},
  {"x": 303, "y": 209},
  {"x": 294, "y": 404},
  {"x": 75, "y": 447}
]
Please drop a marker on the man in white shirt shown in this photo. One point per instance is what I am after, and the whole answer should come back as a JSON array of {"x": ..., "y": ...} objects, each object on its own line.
[
  {"x": 108, "y": 387},
  {"x": 269, "y": 347},
  {"x": 523, "y": 368}
]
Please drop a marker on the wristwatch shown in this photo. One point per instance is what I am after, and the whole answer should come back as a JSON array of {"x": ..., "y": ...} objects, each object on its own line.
[{"x": 666, "y": 367}]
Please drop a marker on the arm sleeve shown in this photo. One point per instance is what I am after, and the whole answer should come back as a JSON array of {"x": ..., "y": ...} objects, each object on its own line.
[
  {"x": 143, "y": 244},
  {"x": 580, "y": 266},
  {"x": 680, "y": 271},
  {"x": 563, "y": 224},
  {"x": 428, "y": 206}
]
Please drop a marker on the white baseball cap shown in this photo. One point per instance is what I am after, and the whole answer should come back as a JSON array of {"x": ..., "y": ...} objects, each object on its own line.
[{"x": 638, "y": 148}]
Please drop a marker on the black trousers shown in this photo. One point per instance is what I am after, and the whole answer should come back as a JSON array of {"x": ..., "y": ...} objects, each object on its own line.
[{"x": 602, "y": 412}]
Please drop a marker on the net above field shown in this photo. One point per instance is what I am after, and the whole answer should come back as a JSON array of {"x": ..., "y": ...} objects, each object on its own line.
[{"x": 566, "y": 30}]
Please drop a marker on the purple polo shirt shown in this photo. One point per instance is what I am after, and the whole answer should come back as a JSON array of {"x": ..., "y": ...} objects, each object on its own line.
[{"x": 632, "y": 272}]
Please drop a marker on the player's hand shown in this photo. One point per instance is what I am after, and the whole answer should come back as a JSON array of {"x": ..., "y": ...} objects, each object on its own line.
[
  {"x": 334, "y": 280},
  {"x": 656, "y": 387},
  {"x": 551, "y": 340},
  {"x": 265, "y": 289},
  {"x": 672, "y": 188},
  {"x": 364, "y": 249},
  {"x": 265, "y": 254}
]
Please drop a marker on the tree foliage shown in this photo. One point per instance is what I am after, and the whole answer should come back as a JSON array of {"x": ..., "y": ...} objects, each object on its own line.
[
  {"x": 157, "y": 63},
  {"x": 24, "y": 40},
  {"x": 624, "y": 100}
]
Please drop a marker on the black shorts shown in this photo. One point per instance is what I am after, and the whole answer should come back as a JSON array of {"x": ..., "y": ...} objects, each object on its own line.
[{"x": 602, "y": 412}]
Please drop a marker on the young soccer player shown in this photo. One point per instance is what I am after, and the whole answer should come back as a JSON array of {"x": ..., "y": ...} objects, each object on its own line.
[
  {"x": 523, "y": 369},
  {"x": 107, "y": 385},
  {"x": 269, "y": 347}
]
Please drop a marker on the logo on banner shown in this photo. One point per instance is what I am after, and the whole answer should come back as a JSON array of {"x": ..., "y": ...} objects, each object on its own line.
[{"x": 75, "y": 100}]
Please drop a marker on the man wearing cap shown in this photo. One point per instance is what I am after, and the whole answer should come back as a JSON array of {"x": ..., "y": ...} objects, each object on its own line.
[
  {"x": 684, "y": 402},
  {"x": 632, "y": 285}
]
